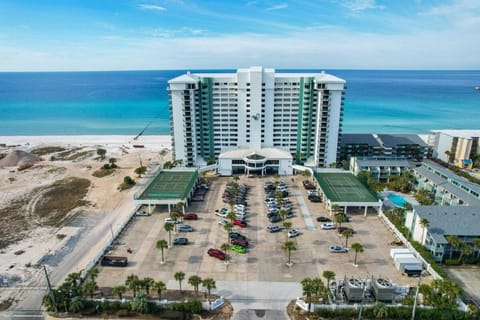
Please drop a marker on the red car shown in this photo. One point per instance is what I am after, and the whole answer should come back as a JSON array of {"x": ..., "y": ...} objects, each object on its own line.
[
  {"x": 190, "y": 216},
  {"x": 216, "y": 253},
  {"x": 240, "y": 223},
  {"x": 240, "y": 242}
]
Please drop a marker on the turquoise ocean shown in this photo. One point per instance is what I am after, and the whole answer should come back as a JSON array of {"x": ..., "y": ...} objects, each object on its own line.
[{"x": 125, "y": 102}]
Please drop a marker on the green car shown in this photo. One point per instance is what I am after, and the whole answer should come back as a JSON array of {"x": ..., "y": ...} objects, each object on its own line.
[{"x": 239, "y": 249}]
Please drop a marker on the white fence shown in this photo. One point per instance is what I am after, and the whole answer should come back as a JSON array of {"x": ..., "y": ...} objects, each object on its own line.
[{"x": 400, "y": 236}]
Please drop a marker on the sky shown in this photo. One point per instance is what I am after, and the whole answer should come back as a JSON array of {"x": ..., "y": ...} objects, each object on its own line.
[{"x": 83, "y": 35}]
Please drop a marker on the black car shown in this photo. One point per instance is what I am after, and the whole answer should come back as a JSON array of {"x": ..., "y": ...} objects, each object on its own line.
[
  {"x": 236, "y": 235},
  {"x": 275, "y": 218},
  {"x": 324, "y": 219},
  {"x": 315, "y": 199},
  {"x": 180, "y": 241}
]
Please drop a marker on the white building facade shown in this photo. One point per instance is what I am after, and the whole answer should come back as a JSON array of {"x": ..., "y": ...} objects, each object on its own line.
[{"x": 256, "y": 108}]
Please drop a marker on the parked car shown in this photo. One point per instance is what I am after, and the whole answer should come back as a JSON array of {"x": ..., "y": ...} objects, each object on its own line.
[
  {"x": 180, "y": 241},
  {"x": 190, "y": 216},
  {"x": 236, "y": 235},
  {"x": 240, "y": 242},
  {"x": 274, "y": 228},
  {"x": 171, "y": 220},
  {"x": 142, "y": 213},
  {"x": 315, "y": 199},
  {"x": 275, "y": 218},
  {"x": 324, "y": 219},
  {"x": 293, "y": 233},
  {"x": 338, "y": 249},
  {"x": 327, "y": 226},
  {"x": 184, "y": 228},
  {"x": 221, "y": 214},
  {"x": 240, "y": 223},
  {"x": 222, "y": 222},
  {"x": 198, "y": 197},
  {"x": 216, "y": 253},
  {"x": 239, "y": 249}
]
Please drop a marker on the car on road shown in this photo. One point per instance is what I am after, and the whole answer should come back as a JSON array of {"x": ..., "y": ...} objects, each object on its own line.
[
  {"x": 216, "y": 253},
  {"x": 239, "y": 242},
  {"x": 324, "y": 219},
  {"x": 222, "y": 222},
  {"x": 190, "y": 216},
  {"x": 239, "y": 249},
  {"x": 293, "y": 233},
  {"x": 236, "y": 235},
  {"x": 184, "y": 228},
  {"x": 240, "y": 223},
  {"x": 338, "y": 249},
  {"x": 273, "y": 228},
  {"x": 180, "y": 241},
  {"x": 328, "y": 226},
  {"x": 142, "y": 213}
]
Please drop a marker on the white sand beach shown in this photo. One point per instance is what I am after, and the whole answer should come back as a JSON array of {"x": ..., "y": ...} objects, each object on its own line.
[{"x": 21, "y": 193}]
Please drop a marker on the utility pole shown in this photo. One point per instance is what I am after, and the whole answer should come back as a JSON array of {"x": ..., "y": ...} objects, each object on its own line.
[
  {"x": 363, "y": 298},
  {"x": 50, "y": 290},
  {"x": 416, "y": 296}
]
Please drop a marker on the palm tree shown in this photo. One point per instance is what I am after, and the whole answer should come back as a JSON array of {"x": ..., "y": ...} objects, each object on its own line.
[
  {"x": 287, "y": 225},
  {"x": 425, "y": 224},
  {"x": 93, "y": 273},
  {"x": 140, "y": 304},
  {"x": 358, "y": 248},
  {"x": 476, "y": 245},
  {"x": 195, "y": 281},
  {"x": 162, "y": 244},
  {"x": 380, "y": 310},
  {"x": 225, "y": 247},
  {"x": 329, "y": 275},
  {"x": 179, "y": 276},
  {"x": 140, "y": 170},
  {"x": 231, "y": 203},
  {"x": 167, "y": 165},
  {"x": 347, "y": 233},
  {"x": 180, "y": 207},
  {"x": 228, "y": 227},
  {"x": 159, "y": 286},
  {"x": 132, "y": 283},
  {"x": 169, "y": 228},
  {"x": 289, "y": 246},
  {"x": 231, "y": 216},
  {"x": 236, "y": 179},
  {"x": 283, "y": 214},
  {"x": 76, "y": 304},
  {"x": 119, "y": 290},
  {"x": 113, "y": 162},
  {"x": 454, "y": 242},
  {"x": 465, "y": 250},
  {"x": 335, "y": 209},
  {"x": 308, "y": 289},
  {"x": 148, "y": 283},
  {"x": 101, "y": 152},
  {"x": 89, "y": 287},
  {"x": 209, "y": 284},
  {"x": 339, "y": 219}
]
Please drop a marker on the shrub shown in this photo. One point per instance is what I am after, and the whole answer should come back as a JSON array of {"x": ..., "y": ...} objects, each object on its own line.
[
  {"x": 106, "y": 166},
  {"x": 453, "y": 262}
]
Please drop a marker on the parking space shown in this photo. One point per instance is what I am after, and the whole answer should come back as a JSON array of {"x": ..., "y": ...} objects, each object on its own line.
[{"x": 265, "y": 259}]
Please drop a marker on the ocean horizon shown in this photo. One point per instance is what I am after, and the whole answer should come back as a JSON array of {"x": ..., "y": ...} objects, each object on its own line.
[{"x": 127, "y": 102}]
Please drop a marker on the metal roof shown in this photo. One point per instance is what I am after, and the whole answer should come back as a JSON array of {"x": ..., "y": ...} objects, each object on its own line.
[
  {"x": 393, "y": 140},
  {"x": 450, "y": 220},
  {"x": 358, "y": 139},
  {"x": 452, "y": 176},
  {"x": 383, "y": 163}
]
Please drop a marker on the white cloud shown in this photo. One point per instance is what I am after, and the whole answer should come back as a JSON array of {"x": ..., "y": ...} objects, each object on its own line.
[
  {"x": 279, "y": 6},
  {"x": 360, "y": 5},
  {"x": 153, "y": 7}
]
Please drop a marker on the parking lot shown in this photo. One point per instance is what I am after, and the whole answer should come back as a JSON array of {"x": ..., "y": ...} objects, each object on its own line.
[{"x": 265, "y": 259}]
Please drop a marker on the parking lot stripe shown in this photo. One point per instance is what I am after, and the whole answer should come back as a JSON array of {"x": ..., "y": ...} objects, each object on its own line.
[{"x": 305, "y": 213}]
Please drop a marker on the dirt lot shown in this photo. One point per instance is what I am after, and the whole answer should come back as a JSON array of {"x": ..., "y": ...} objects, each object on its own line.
[{"x": 265, "y": 260}]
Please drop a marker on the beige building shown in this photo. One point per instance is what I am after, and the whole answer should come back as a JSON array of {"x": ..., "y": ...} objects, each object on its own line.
[{"x": 460, "y": 147}]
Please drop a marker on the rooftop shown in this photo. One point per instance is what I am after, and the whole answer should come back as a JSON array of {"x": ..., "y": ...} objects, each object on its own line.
[
  {"x": 393, "y": 140},
  {"x": 344, "y": 187},
  {"x": 451, "y": 175},
  {"x": 270, "y": 153},
  {"x": 383, "y": 163},
  {"x": 169, "y": 184},
  {"x": 359, "y": 139},
  {"x": 459, "y": 133},
  {"x": 450, "y": 220}
]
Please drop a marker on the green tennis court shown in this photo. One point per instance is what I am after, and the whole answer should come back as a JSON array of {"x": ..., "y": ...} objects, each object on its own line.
[
  {"x": 170, "y": 185},
  {"x": 344, "y": 187}
]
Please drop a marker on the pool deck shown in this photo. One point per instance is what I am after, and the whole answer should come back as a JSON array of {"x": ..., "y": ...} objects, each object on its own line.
[{"x": 389, "y": 203}]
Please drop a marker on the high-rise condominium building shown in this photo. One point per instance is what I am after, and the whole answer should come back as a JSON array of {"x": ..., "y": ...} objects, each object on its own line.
[{"x": 256, "y": 109}]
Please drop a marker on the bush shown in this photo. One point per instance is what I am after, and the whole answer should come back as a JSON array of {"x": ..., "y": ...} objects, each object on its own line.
[
  {"x": 453, "y": 262},
  {"x": 106, "y": 166}
]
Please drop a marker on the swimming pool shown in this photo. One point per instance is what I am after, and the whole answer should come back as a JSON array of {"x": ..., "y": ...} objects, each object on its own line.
[{"x": 399, "y": 201}]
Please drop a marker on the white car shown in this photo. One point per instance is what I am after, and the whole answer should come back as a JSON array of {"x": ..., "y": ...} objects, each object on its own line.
[
  {"x": 222, "y": 214},
  {"x": 293, "y": 233},
  {"x": 274, "y": 228},
  {"x": 222, "y": 222},
  {"x": 338, "y": 249},
  {"x": 142, "y": 213},
  {"x": 328, "y": 226},
  {"x": 171, "y": 220}
]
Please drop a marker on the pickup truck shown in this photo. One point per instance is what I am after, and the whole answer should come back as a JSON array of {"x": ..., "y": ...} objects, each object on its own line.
[{"x": 114, "y": 261}]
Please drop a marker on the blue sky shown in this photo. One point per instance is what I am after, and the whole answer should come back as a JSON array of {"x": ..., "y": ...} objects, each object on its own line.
[{"x": 51, "y": 35}]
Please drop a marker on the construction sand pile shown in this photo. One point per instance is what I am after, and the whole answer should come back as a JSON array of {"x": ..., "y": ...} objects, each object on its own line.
[{"x": 19, "y": 159}]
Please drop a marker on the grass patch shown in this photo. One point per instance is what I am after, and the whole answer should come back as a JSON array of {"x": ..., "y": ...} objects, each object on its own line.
[
  {"x": 79, "y": 155},
  {"x": 103, "y": 173},
  {"x": 60, "y": 198},
  {"x": 46, "y": 150},
  {"x": 5, "y": 304}
]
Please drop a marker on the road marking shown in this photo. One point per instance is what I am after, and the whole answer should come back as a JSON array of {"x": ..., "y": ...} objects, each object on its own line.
[{"x": 305, "y": 213}]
